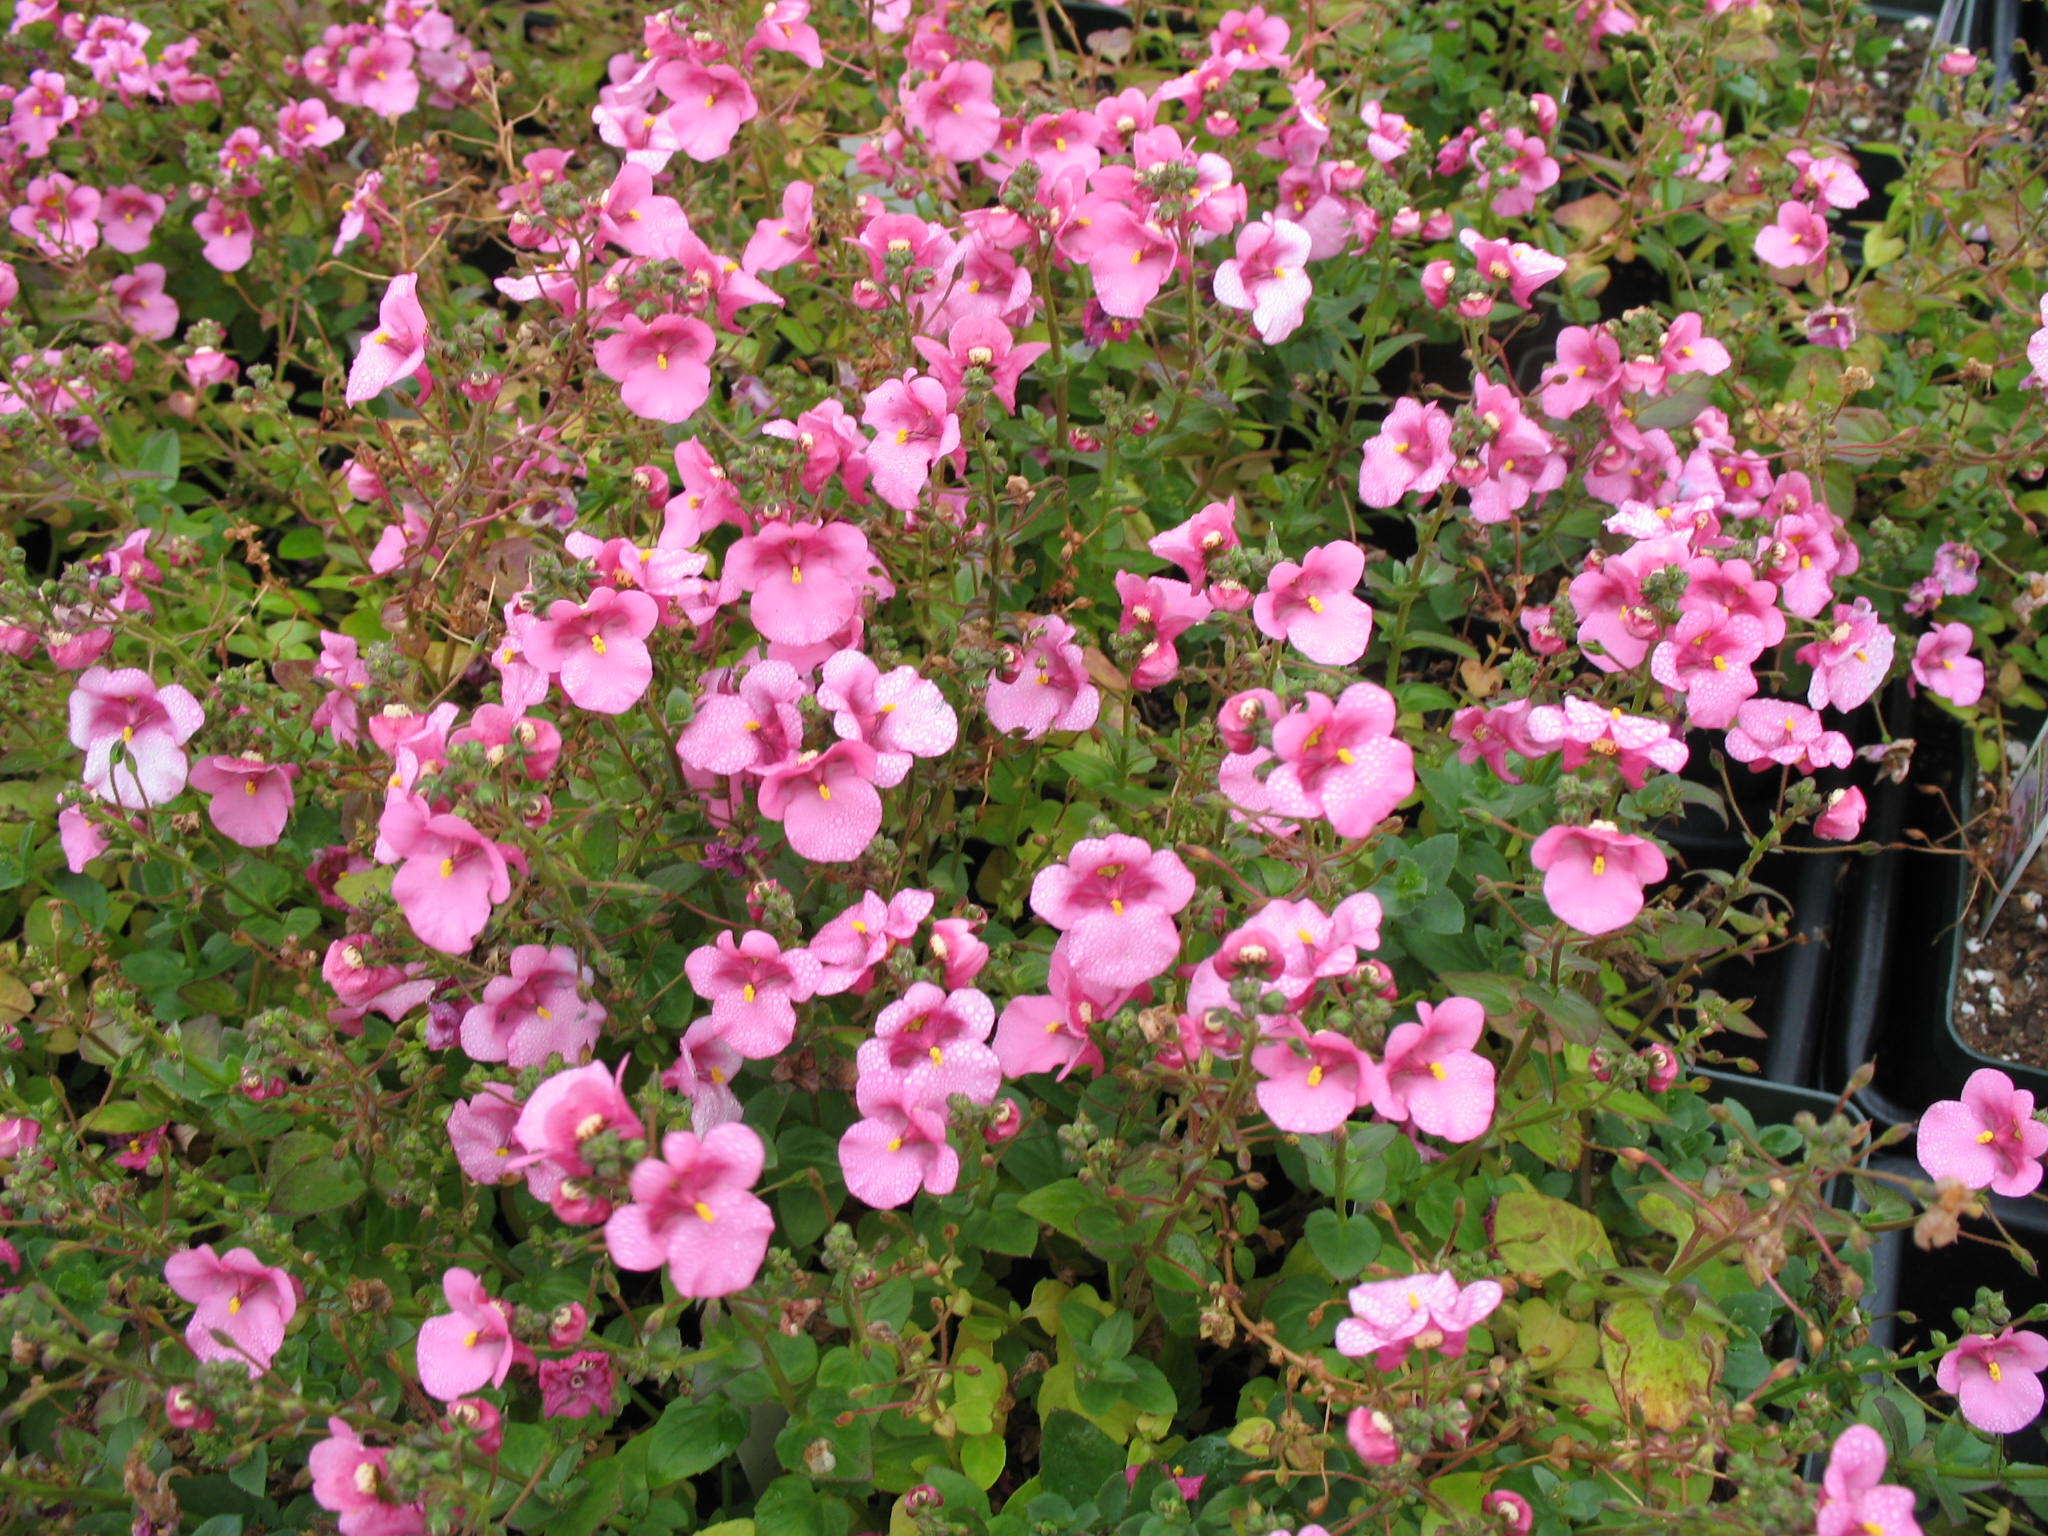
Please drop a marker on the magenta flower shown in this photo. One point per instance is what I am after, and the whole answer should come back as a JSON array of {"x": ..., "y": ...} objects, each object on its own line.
[
  {"x": 251, "y": 800},
  {"x": 397, "y": 349},
  {"x": 1411, "y": 453},
  {"x": 1942, "y": 663},
  {"x": 1312, "y": 605},
  {"x": 536, "y": 1012},
  {"x": 1432, "y": 1076},
  {"x": 579, "y": 1387},
  {"x": 133, "y": 735},
  {"x": 227, "y": 233},
  {"x": 1312, "y": 1083},
  {"x": 899, "y": 1145},
  {"x": 1114, "y": 901},
  {"x": 1594, "y": 875},
  {"x": 1050, "y": 690},
  {"x": 468, "y": 1347},
  {"x": 978, "y": 346},
  {"x": 662, "y": 366},
  {"x": 1391, "y": 1317},
  {"x": 1269, "y": 277},
  {"x": 1997, "y": 1380},
  {"x": 244, "y": 1305},
  {"x": 451, "y": 877},
  {"x": 1799, "y": 238},
  {"x": 1852, "y": 1500},
  {"x": 826, "y": 801},
  {"x": 753, "y": 986},
  {"x": 1988, "y": 1139},
  {"x": 694, "y": 1209},
  {"x": 1157, "y": 610},
  {"x": 598, "y": 649}
]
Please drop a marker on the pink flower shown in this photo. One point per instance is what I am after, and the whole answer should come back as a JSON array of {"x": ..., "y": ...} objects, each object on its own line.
[
  {"x": 955, "y": 111},
  {"x": 1052, "y": 1032},
  {"x": 1269, "y": 277},
  {"x": 143, "y": 305},
  {"x": 251, "y": 800},
  {"x": 914, "y": 428},
  {"x": 1370, "y": 1434},
  {"x": 1997, "y": 1380},
  {"x": 1852, "y": 1501},
  {"x": 1157, "y": 611},
  {"x": 1989, "y": 1138},
  {"x": 1581, "y": 729},
  {"x": 899, "y": 1145},
  {"x": 784, "y": 28},
  {"x": 349, "y": 1479},
  {"x": 1128, "y": 256},
  {"x": 977, "y": 347},
  {"x": 1514, "y": 1513},
  {"x": 806, "y": 579},
  {"x": 576, "y": 1388},
  {"x": 305, "y": 125},
  {"x": 1312, "y": 1083},
  {"x": 397, "y": 349},
  {"x": 536, "y": 1012},
  {"x": 480, "y": 1129},
  {"x": 1313, "y": 607},
  {"x": 468, "y": 1347},
  {"x": 1851, "y": 660},
  {"x": 1772, "y": 731},
  {"x": 1842, "y": 818},
  {"x": 1341, "y": 760},
  {"x": 1799, "y": 238},
  {"x": 712, "y": 101},
  {"x": 1411, "y": 453},
  {"x": 450, "y": 878},
  {"x": 564, "y": 1113},
  {"x": 826, "y": 801},
  {"x": 1391, "y": 1317},
  {"x": 377, "y": 73},
  {"x": 1050, "y": 690},
  {"x": 1114, "y": 901},
  {"x": 1943, "y": 664},
  {"x": 238, "y": 1296},
  {"x": 663, "y": 365},
  {"x": 1594, "y": 875},
  {"x": 599, "y": 649},
  {"x": 753, "y": 987},
  {"x": 133, "y": 735},
  {"x": 694, "y": 1210},
  {"x": 901, "y": 715},
  {"x": 59, "y": 215},
  {"x": 1433, "y": 1078},
  {"x": 129, "y": 216},
  {"x": 939, "y": 1038},
  {"x": 83, "y": 840},
  {"x": 228, "y": 234}
]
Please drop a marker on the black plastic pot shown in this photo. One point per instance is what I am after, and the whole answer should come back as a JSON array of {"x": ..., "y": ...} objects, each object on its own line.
[
  {"x": 1904, "y": 930},
  {"x": 1791, "y": 988}
]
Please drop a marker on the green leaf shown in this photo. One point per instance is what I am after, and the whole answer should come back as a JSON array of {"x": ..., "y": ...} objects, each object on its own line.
[
  {"x": 123, "y": 1119},
  {"x": 1536, "y": 1234},
  {"x": 982, "y": 1458},
  {"x": 1077, "y": 1457},
  {"x": 598, "y": 1502},
  {"x": 306, "y": 1178},
  {"x": 692, "y": 1438},
  {"x": 153, "y": 968},
  {"x": 1058, "y": 1205},
  {"x": 1344, "y": 1246},
  {"x": 159, "y": 458}
]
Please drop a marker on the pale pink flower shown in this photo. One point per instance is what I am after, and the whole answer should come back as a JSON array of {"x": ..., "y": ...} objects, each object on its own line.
[
  {"x": 1942, "y": 663},
  {"x": 1312, "y": 1083},
  {"x": 1594, "y": 875},
  {"x": 1852, "y": 1500},
  {"x": 1268, "y": 276},
  {"x": 537, "y": 1011},
  {"x": 1431, "y": 1076},
  {"x": 133, "y": 735},
  {"x": 1798, "y": 238},
  {"x": 1114, "y": 900},
  {"x": 1997, "y": 1380},
  {"x": 468, "y": 1347},
  {"x": 1314, "y": 607},
  {"x": 1988, "y": 1139},
  {"x": 753, "y": 986},
  {"x": 397, "y": 349},
  {"x": 251, "y": 799},
  {"x": 239, "y": 1296},
  {"x": 1050, "y": 688}
]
